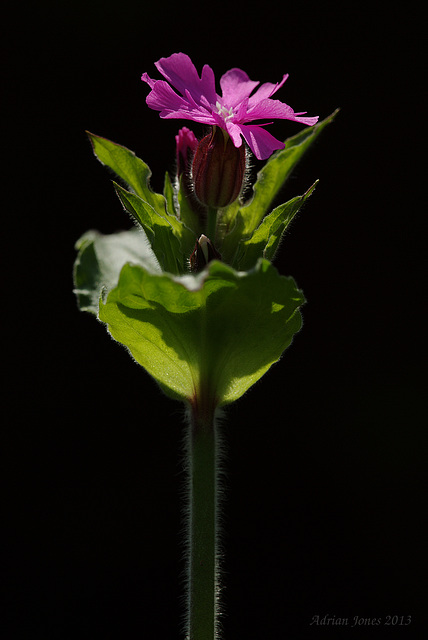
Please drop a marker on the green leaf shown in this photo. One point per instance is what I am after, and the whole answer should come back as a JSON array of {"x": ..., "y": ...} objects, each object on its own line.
[
  {"x": 187, "y": 211},
  {"x": 242, "y": 221},
  {"x": 218, "y": 331},
  {"x": 169, "y": 195},
  {"x": 266, "y": 238},
  {"x": 163, "y": 232},
  {"x": 131, "y": 170},
  {"x": 100, "y": 260}
]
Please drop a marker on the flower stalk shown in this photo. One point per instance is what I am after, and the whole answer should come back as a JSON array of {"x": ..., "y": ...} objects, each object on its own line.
[
  {"x": 212, "y": 223},
  {"x": 202, "y": 531}
]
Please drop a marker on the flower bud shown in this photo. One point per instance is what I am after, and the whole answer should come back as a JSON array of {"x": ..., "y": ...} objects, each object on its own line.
[
  {"x": 218, "y": 169},
  {"x": 186, "y": 143},
  {"x": 203, "y": 253}
]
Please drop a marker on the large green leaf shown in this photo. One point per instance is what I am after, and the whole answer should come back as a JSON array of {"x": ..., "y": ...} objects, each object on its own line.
[
  {"x": 100, "y": 260},
  {"x": 220, "y": 330}
]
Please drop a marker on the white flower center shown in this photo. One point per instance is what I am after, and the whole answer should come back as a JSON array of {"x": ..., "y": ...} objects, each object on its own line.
[{"x": 225, "y": 113}]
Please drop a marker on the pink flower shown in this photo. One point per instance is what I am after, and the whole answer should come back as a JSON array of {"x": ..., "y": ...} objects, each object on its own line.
[{"x": 232, "y": 111}]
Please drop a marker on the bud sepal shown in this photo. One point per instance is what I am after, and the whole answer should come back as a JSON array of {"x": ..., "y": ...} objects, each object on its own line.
[
  {"x": 203, "y": 253},
  {"x": 218, "y": 169}
]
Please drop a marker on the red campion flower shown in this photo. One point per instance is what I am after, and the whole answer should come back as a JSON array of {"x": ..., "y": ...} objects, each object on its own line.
[{"x": 232, "y": 111}]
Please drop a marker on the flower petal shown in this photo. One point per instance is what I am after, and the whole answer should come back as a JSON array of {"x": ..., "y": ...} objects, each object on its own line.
[
  {"x": 241, "y": 112},
  {"x": 236, "y": 86},
  {"x": 196, "y": 115},
  {"x": 146, "y": 78},
  {"x": 234, "y": 130},
  {"x": 310, "y": 120},
  {"x": 266, "y": 91},
  {"x": 268, "y": 108},
  {"x": 162, "y": 97},
  {"x": 260, "y": 141},
  {"x": 180, "y": 71}
]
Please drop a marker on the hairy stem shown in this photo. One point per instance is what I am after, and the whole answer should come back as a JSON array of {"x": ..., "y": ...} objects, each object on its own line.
[
  {"x": 211, "y": 223},
  {"x": 203, "y": 561}
]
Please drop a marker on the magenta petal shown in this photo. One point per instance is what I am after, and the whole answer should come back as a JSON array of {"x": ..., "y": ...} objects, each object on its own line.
[
  {"x": 235, "y": 86},
  {"x": 310, "y": 121},
  {"x": 266, "y": 91},
  {"x": 260, "y": 141},
  {"x": 189, "y": 114},
  {"x": 162, "y": 96},
  {"x": 269, "y": 108},
  {"x": 164, "y": 99},
  {"x": 241, "y": 112},
  {"x": 234, "y": 130},
  {"x": 146, "y": 78},
  {"x": 276, "y": 109},
  {"x": 180, "y": 71},
  {"x": 208, "y": 84}
]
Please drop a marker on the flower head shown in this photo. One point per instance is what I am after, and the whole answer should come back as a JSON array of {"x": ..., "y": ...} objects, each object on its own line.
[{"x": 197, "y": 100}]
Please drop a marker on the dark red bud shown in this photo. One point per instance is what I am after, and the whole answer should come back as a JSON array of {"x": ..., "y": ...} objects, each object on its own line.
[
  {"x": 218, "y": 169},
  {"x": 203, "y": 253}
]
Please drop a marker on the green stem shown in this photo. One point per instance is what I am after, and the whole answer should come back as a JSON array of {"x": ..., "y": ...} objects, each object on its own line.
[
  {"x": 211, "y": 223},
  {"x": 203, "y": 530}
]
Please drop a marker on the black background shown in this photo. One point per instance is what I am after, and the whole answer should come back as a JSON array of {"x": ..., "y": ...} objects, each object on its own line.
[{"x": 326, "y": 454}]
